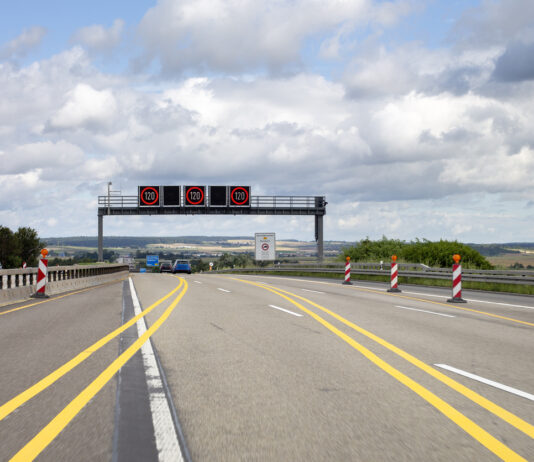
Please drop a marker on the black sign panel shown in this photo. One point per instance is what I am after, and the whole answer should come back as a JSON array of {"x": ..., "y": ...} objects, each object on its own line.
[
  {"x": 148, "y": 196},
  {"x": 195, "y": 196},
  {"x": 240, "y": 196},
  {"x": 218, "y": 196},
  {"x": 171, "y": 196}
]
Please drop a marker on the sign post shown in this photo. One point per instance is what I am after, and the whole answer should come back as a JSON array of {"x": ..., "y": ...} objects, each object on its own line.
[
  {"x": 265, "y": 246},
  {"x": 152, "y": 260}
]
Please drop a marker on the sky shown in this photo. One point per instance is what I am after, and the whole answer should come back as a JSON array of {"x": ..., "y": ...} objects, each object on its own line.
[{"x": 414, "y": 118}]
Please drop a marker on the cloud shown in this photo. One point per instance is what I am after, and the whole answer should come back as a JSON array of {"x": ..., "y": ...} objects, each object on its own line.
[
  {"x": 23, "y": 44},
  {"x": 516, "y": 64},
  {"x": 239, "y": 35},
  {"x": 97, "y": 38}
]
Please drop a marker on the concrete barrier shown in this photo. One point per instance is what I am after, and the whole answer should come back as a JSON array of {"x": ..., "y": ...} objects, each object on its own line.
[{"x": 18, "y": 284}]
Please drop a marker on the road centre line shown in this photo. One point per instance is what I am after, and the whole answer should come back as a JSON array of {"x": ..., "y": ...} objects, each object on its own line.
[
  {"x": 51, "y": 299},
  {"x": 315, "y": 291},
  {"x": 284, "y": 310},
  {"x": 470, "y": 427},
  {"x": 223, "y": 290},
  {"x": 515, "y": 391},
  {"x": 425, "y": 311},
  {"x": 505, "y": 415},
  {"x": 164, "y": 431},
  {"x": 448, "y": 305},
  {"x": 40, "y": 441},
  {"x": 8, "y": 407}
]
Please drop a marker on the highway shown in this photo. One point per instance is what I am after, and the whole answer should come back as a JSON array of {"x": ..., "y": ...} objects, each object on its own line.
[{"x": 240, "y": 368}]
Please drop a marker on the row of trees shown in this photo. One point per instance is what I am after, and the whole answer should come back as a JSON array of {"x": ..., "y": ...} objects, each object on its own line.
[
  {"x": 18, "y": 247},
  {"x": 437, "y": 254}
]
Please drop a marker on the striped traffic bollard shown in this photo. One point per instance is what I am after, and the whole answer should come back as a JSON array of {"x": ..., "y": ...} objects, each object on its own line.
[
  {"x": 347, "y": 272},
  {"x": 394, "y": 275},
  {"x": 42, "y": 276},
  {"x": 456, "y": 281}
]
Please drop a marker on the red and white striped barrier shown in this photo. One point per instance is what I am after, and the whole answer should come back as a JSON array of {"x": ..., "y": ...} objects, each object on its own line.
[
  {"x": 456, "y": 281},
  {"x": 394, "y": 275},
  {"x": 347, "y": 272},
  {"x": 42, "y": 276}
]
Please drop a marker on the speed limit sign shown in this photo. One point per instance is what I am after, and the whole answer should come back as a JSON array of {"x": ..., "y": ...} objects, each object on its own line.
[
  {"x": 148, "y": 196},
  {"x": 195, "y": 195},
  {"x": 240, "y": 196}
]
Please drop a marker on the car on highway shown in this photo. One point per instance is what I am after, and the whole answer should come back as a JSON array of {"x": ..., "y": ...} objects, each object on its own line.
[
  {"x": 181, "y": 266},
  {"x": 165, "y": 267}
]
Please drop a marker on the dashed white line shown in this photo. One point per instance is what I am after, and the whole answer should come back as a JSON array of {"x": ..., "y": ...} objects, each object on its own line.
[
  {"x": 515, "y": 391},
  {"x": 198, "y": 282},
  {"x": 284, "y": 310},
  {"x": 425, "y": 311},
  {"x": 315, "y": 291},
  {"x": 223, "y": 290},
  {"x": 164, "y": 431}
]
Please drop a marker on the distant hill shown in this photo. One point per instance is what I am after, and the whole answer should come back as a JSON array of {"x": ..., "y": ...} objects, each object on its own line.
[{"x": 134, "y": 241}]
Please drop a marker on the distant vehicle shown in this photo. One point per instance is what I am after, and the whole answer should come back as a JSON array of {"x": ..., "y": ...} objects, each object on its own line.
[
  {"x": 181, "y": 266},
  {"x": 165, "y": 268}
]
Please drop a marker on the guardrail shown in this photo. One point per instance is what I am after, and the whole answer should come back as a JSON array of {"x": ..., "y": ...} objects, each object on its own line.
[
  {"x": 405, "y": 270},
  {"x": 21, "y": 282}
]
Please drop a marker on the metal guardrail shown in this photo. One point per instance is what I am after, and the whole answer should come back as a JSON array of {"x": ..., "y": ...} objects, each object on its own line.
[
  {"x": 407, "y": 270},
  {"x": 255, "y": 201},
  {"x": 12, "y": 278}
]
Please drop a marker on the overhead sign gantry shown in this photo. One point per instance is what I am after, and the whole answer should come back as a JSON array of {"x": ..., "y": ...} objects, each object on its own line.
[{"x": 209, "y": 200}]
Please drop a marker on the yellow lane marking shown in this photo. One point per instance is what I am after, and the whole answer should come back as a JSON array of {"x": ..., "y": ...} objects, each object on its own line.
[
  {"x": 40, "y": 441},
  {"x": 60, "y": 296},
  {"x": 448, "y": 305},
  {"x": 44, "y": 383},
  {"x": 505, "y": 415},
  {"x": 477, "y": 432}
]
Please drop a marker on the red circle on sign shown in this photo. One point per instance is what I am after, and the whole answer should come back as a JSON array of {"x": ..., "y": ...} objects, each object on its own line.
[
  {"x": 265, "y": 246},
  {"x": 201, "y": 195},
  {"x": 143, "y": 193},
  {"x": 232, "y": 195}
]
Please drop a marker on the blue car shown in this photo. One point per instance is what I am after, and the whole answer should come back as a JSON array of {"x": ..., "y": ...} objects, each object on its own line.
[{"x": 181, "y": 266}]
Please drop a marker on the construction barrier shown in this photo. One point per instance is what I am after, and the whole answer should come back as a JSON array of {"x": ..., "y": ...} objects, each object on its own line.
[
  {"x": 42, "y": 276},
  {"x": 456, "y": 281},
  {"x": 347, "y": 272},
  {"x": 394, "y": 275}
]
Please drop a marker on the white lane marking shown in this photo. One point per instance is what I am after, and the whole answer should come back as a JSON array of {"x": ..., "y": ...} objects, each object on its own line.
[
  {"x": 223, "y": 290},
  {"x": 284, "y": 310},
  {"x": 198, "y": 282},
  {"x": 164, "y": 431},
  {"x": 315, "y": 291},
  {"x": 425, "y": 311},
  {"x": 515, "y": 391}
]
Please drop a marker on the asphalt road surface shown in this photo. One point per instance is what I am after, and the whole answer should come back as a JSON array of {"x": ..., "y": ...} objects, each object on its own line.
[{"x": 227, "y": 367}]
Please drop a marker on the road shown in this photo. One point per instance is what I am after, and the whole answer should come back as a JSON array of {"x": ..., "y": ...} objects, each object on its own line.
[{"x": 266, "y": 368}]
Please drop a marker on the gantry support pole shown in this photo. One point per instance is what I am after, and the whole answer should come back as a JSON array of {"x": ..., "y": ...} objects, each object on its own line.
[
  {"x": 100, "y": 237},
  {"x": 319, "y": 236}
]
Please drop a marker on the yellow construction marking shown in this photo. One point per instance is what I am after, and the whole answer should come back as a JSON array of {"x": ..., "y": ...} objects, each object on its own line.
[
  {"x": 448, "y": 305},
  {"x": 477, "y": 432},
  {"x": 505, "y": 415},
  {"x": 44, "y": 383},
  {"x": 60, "y": 296},
  {"x": 40, "y": 441}
]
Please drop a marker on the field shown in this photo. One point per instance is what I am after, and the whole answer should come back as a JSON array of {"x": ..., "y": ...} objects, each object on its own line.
[{"x": 507, "y": 259}]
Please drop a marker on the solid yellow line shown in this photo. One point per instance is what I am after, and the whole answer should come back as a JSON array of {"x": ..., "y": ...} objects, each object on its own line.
[
  {"x": 60, "y": 296},
  {"x": 40, "y": 441},
  {"x": 477, "y": 432},
  {"x": 44, "y": 383},
  {"x": 505, "y": 415}
]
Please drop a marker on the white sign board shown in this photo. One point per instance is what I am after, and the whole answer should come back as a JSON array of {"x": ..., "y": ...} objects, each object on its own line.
[{"x": 265, "y": 246}]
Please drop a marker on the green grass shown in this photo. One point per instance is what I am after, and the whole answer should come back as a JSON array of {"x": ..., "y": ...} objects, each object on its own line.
[{"x": 487, "y": 286}]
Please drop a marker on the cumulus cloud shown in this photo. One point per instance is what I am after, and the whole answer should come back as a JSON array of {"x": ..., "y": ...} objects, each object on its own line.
[
  {"x": 516, "y": 63},
  {"x": 97, "y": 38},
  {"x": 20, "y": 46}
]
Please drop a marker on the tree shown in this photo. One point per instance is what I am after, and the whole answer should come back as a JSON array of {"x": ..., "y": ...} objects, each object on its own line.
[
  {"x": 8, "y": 248},
  {"x": 29, "y": 245}
]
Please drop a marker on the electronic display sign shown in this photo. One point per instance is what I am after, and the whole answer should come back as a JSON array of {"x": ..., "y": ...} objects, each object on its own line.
[
  {"x": 195, "y": 196},
  {"x": 218, "y": 196},
  {"x": 240, "y": 196},
  {"x": 171, "y": 196},
  {"x": 148, "y": 196}
]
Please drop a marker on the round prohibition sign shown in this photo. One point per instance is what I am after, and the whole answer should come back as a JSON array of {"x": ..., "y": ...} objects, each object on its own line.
[
  {"x": 265, "y": 246},
  {"x": 148, "y": 189},
  {"x": 193, "y": 189},
  {"x": 236, "y": 202}
]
